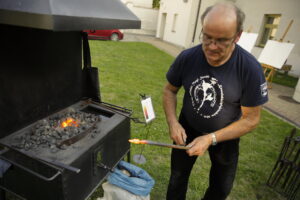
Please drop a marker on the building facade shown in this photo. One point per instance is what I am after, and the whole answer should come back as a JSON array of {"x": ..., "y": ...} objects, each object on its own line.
[
  {"x": 179, "y": 23},
  {"x": 144, "y": 11}
]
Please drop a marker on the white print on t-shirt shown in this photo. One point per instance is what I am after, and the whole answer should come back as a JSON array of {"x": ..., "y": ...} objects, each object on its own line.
[
  {"x": 206, "y": 96},
  {"x": 264, "y": 89}
]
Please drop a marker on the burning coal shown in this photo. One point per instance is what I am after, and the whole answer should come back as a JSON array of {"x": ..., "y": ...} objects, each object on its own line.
[
  {"x": 50, "y": 132},
  {"x": 69, "y": 122}
]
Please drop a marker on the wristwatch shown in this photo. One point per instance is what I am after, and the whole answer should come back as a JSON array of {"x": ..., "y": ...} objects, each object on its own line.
[{"x": 214, "y": 139}]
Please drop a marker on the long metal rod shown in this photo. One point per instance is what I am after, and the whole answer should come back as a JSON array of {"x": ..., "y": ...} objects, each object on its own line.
[
  {"x": 55, "y": 164},
  {"x": 78, "y": 137},
  {"x": 31, "y": 171},
  {"x": 174, "y": 146}
]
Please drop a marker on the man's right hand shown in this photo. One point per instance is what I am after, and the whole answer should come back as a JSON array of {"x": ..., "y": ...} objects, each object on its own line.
[{"x": 177, "y": 133}]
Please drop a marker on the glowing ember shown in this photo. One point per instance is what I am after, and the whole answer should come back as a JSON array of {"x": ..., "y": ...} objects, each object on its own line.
[
  {"x": 69, "y": 122},
  {"x": 137, "y": 141}
]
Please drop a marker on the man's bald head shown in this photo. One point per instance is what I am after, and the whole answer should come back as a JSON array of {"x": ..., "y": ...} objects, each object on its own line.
[{"x": 228, "y": 11}]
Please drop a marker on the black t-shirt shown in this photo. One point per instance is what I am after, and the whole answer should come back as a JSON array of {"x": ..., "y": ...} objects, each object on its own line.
[{"x": 214, "y": 95}]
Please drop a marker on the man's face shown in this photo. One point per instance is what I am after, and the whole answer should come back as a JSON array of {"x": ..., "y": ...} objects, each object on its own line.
[{"x": 218, "y": 38}]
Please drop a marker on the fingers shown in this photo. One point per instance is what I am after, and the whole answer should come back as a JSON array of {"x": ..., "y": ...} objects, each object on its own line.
[
  {"x": 195, "y": 151},
  {"x": 180, "y": 137},
  {"x": 191, "y": 144},
  {"x": 198, "y": 146},
  {"x": 184, "y": 138},
  {"x": 177, "y": 134}
]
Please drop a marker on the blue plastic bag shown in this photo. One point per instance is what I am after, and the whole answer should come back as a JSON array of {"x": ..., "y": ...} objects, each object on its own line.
[
  {"x": 4, "y": 166},
  {"x": 139, "y": 182}
]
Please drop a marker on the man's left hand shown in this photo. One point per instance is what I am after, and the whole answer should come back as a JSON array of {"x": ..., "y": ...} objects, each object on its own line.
[{"x": 199, "y": 145}]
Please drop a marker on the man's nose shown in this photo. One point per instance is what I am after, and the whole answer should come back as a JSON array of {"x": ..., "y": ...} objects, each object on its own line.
[{"x": 213, "y": 45}]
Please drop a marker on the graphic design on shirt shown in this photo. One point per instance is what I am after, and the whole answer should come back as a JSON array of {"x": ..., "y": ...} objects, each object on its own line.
[
  {"x": 264, "y": 89},
  {"x": 206, "y": 96}
]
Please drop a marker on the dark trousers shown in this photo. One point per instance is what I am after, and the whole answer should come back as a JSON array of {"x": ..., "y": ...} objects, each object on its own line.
[{"x": 224, "y": 159}]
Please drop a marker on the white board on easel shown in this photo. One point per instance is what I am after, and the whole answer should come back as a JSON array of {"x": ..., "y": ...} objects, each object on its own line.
[
  {"x": 275, "y": 53},
  {"x": 247, "y": 41}
]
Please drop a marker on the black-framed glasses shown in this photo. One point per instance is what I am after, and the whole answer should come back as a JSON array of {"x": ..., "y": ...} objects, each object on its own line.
[{"x": 220, "y": 42}]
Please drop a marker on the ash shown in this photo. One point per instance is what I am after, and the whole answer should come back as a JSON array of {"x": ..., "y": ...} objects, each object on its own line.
[{"x": 49, "y": 133}]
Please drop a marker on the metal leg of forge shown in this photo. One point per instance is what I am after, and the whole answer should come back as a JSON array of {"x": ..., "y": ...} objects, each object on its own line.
[
  {"x": 284, "y": 176},
  {"x": 2, "y": 194}
]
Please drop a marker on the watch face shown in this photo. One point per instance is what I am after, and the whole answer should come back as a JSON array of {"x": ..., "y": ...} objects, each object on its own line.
[{"x": 214, "y": 139}]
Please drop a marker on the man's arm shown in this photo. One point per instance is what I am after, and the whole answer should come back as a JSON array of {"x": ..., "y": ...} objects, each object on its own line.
[
  {"x": 177, "y": 133},
  {"x": 249, "y": 120}
]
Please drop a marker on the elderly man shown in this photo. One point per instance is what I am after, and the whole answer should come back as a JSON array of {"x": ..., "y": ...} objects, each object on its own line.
[{"x": 224, "y": 90}]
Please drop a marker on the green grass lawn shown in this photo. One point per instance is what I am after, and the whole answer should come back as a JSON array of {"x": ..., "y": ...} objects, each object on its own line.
[
  {"x": 130, "y": 68},
  {"x": 284, "y": 79}
]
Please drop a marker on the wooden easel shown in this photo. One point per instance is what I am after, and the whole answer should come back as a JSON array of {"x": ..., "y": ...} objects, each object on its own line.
[{"x": 269, "y": 71}]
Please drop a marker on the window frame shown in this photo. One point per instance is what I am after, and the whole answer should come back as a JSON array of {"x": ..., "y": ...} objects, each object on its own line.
[{"x": 268, "y": 28}]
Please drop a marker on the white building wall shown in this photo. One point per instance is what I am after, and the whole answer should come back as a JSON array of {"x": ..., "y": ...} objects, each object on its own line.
[
  {"x": 203, "y": 6},
  {"x": 182, "y": 10},
  {"x": 139, "y": 3},
  {"x": 193, "y": 24},
  {"x": 289, "y": 9},
  {"x": 144, "y": 11},
  {"x": 186, "y": 22}
]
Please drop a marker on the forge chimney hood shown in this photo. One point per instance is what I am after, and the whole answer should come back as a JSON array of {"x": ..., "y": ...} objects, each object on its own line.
[{"x": 68, "y": 15}]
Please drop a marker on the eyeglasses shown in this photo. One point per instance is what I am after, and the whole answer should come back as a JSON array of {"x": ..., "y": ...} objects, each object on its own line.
[{"x": 220, "y": 42}]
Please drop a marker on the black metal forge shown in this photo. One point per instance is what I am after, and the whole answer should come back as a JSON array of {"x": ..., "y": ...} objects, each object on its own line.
[
  {"x": 72, "y": 171},
  {"x": 42, "y": 84}
]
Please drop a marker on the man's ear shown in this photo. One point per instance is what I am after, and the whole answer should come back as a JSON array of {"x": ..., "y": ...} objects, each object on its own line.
[{"x": 238, "y": 35}]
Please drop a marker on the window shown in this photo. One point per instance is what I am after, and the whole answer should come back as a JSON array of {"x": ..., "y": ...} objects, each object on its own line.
[
  {"x": 270, "y": 26},
  {"x": 174, "y": 23}
]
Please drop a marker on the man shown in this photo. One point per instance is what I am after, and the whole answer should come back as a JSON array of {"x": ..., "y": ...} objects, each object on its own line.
[{"x": 224, "y": 90}]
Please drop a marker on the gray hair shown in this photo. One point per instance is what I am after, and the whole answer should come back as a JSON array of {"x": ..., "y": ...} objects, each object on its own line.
[{"x": 240, "y": 15}]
